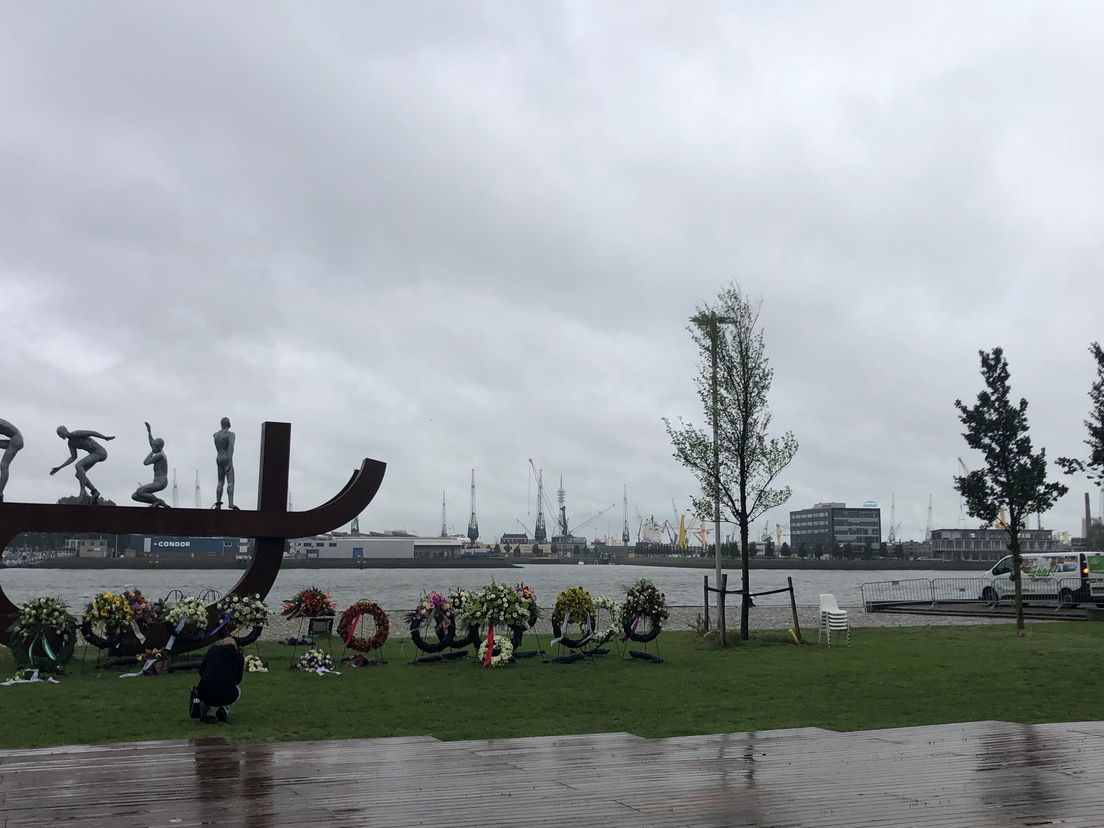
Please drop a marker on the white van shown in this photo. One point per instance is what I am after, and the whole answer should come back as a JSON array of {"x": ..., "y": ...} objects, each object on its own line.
[{"x": 1070, "y": 577}]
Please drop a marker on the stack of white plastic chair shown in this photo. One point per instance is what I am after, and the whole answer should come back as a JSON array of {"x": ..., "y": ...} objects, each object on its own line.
[{"x": 832, "y": 619}]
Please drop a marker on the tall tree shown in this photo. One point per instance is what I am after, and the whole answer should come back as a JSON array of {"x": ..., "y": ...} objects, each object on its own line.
[
  {"x": 1014, "y": 476},
  {"x": 734, "y": 378},
  {"x": 1094, "y": 466}
]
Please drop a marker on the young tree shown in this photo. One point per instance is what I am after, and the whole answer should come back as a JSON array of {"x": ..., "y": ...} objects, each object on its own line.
[
  {"x": 740, "y": 467},
  {"x": 1013, "y": 477},
  {"x": 1094, "y": 466}
]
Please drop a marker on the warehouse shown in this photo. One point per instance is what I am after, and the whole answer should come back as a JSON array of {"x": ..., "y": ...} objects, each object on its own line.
[{"x": 375, "y": 547}]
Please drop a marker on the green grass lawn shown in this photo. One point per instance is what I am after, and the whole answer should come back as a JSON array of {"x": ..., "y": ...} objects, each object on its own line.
[{"x": 887, "y": 678}]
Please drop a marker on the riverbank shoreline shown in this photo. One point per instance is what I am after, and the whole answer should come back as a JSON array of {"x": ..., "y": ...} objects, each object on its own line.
[{"x": 511, "y": 563}]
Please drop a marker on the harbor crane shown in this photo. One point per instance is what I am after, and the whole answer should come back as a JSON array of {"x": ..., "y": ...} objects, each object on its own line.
[{"x": 586, "y": 523}]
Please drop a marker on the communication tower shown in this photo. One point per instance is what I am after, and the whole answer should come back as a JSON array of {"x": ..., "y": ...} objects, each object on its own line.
[
  {"x": 197, "y": 497},
  {"x": 176, "y": 492},
  {"x": 928, "y": 529},
  {"x": 444, "y": 527},
  {"x": 540, "y": 532},
  {"x": 561, "y": 498},
  {"x": 473, "y": 524}
]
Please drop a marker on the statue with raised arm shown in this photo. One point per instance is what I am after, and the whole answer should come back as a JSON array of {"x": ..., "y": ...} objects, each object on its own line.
[
  {"x": 11, "y": 441},
  {"x": 224, "y": 459},
  {"x": 160, "y": 463},
  {"x": 82, "y": 440}
]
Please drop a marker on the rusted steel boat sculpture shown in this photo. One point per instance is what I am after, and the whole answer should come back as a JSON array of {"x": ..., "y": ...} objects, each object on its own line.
[{"x": 270, "y": 525}]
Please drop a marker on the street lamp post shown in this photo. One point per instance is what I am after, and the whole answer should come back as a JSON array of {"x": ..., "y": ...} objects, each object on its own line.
[{"x": 711, "y": 322}]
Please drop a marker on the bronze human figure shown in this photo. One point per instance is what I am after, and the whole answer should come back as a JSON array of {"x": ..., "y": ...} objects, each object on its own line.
[
  {"x": 224, "y": 459},
  {"x": 160, "y": 463},
  {"x": 11, "y": 446},
  {"x": 83, "y": 441}
]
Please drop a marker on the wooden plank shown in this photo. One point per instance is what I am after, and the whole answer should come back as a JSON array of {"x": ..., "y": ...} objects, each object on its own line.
[{"x": 971, "y": 774}]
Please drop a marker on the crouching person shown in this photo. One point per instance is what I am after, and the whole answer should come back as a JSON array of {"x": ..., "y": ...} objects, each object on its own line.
[{"x": 219, "y": 677}]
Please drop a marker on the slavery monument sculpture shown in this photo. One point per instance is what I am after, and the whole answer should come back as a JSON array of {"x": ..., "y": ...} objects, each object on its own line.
[{"x": 270, "y": 525}]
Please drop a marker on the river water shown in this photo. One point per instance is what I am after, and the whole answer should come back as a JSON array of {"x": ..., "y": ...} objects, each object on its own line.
[{"x": 398, "y": 589}]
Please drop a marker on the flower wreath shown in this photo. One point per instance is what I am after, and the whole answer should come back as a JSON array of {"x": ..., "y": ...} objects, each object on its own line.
[
  {"x": 190, "y": 610},
  {"x": 435, "y": 610},
  {"x": 643, "y": 600},
  {"x": 505, "y": 652},
  {"x": 246, "y": 611},
  {"x": 39, "y": 621},
  {"x": 309, "y": 602},
  {"x": 573, "y": 606},
  {"x": 466, "y": 633},
  {"x": 346, "y": 627},
  {"x": 604, "y": 634},
  {"x": 529, "y": 595},
  {"x": 109, "y": 614}
]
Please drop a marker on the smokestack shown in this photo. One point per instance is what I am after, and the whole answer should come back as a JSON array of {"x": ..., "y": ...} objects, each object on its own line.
[{"x": 1088, "y": 517}]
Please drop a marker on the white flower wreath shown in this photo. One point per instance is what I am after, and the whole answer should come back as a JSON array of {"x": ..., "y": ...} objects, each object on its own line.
[
  {"x": 613, "y": 609},
  {"x": 253, "y": 664},
  {"x": 190, "y": 610},
  {"x": 505, "y": 651}
]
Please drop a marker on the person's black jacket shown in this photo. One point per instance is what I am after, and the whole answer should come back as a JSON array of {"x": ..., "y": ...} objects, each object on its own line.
[{"x": 220, "y": 674}]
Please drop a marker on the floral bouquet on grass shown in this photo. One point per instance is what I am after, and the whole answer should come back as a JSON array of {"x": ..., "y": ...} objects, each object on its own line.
[
  {"x": 313, "y": 660},
  {"x": 244, "y": 610},
  {"x": 253, "y": 664},
  {"x": 192, "y": 612},
  {"x": 43, "y": 625},
  {"x": 309, "y": 602},
  {"x": 500, "y": 605},
  {"x": 152, "y": 654},
  {"x": 110, "y": 613},
  {"x": 527, "y": 594}
]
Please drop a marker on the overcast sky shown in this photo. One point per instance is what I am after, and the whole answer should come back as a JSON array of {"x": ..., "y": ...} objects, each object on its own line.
[{"x": 449, "y": 236}]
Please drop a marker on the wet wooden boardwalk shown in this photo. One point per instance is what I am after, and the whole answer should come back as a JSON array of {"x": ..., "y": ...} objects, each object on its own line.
[{"x": 977, "y": 774}]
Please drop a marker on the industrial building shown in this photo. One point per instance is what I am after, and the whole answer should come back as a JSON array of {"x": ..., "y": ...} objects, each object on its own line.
[
  {"x": 828, "y": 524},
  {"x": 375, "y": 546},
  {"x": 986, "y": 544}
]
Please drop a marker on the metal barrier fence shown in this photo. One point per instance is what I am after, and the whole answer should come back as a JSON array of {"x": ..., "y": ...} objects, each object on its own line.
[
  {"x": 1059, "y": 592},
  {"x": 906, "y": 591}
]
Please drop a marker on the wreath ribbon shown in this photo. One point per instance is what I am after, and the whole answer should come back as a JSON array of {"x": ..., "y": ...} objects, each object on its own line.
[
  {"x": 632, "y": 627},
  {"x": 45, "y": 646},
  {"x": 225, "y": 620},
  {"x": 351, "y": 634},
  {"x": 172, "y": 638},
  {"x": 487, "y": 656}
]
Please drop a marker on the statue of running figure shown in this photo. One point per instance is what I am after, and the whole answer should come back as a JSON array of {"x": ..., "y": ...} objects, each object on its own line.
[
  {"x": 11, "y": 446},
  {"x": 160, "y": 463},
  {"x": 83, "y": 441},
  {"x": 224, "y": 446}
]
